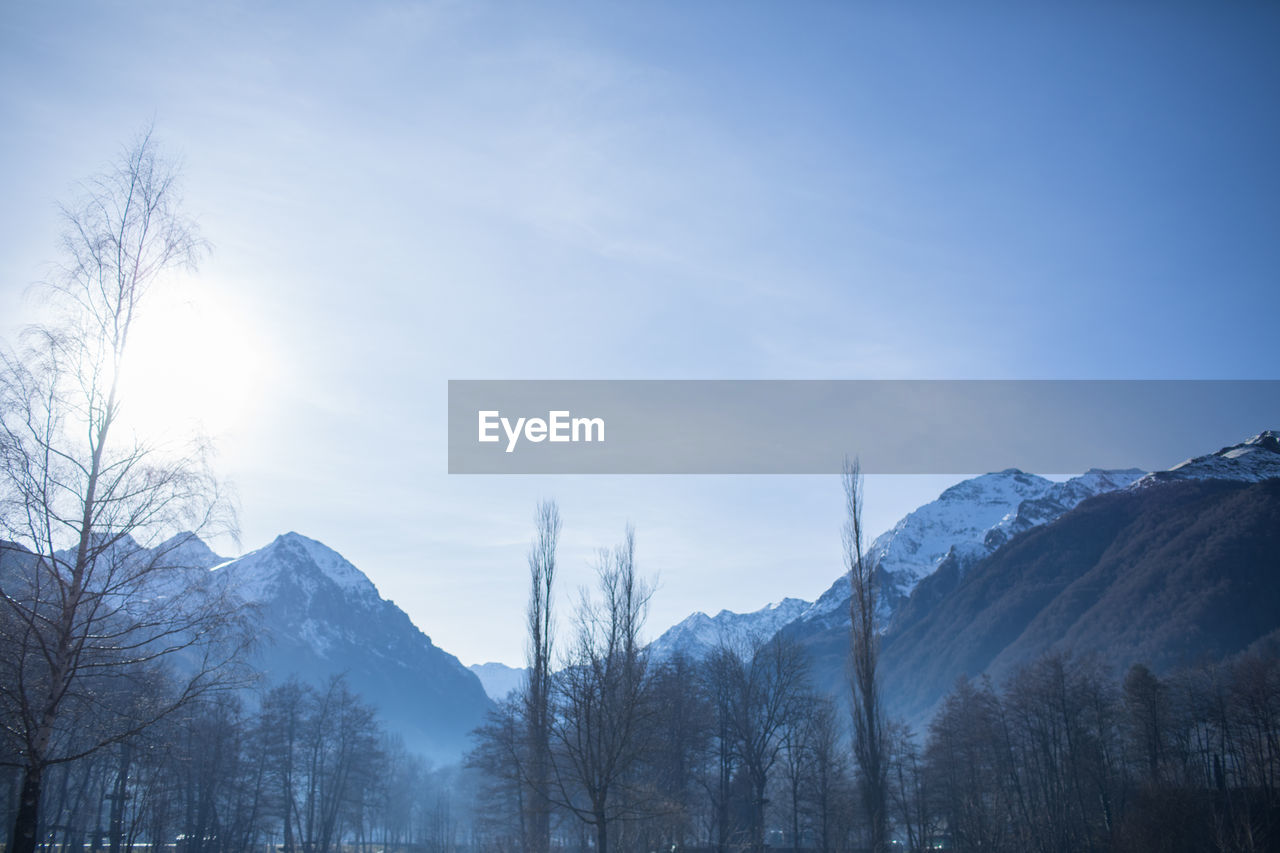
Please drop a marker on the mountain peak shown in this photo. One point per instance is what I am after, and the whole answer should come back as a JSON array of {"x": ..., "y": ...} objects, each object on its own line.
[
  {"x": 330, "y": 563},
  {"x": 998, "y": 486},
  {"x": 296, "y": 560},
  {"x": 1255, "y": 459},
  {"x": 1268, "y": 439},
  {"x": 188, "y": 550}
]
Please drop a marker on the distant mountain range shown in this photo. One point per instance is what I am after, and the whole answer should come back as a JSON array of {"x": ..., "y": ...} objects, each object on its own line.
[
  {"x": 1166, "y": 568},
  {"x": 699, "y": 634},
  {"x": 1161, "y": 567},
  {"x": 966, "y": 522}
]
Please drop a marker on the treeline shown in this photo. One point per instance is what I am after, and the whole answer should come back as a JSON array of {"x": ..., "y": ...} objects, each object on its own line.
[
  {"x": 1066, "y": 757},
  {"x": 738, "y": 752},
  {"x": 305, "y": 769},
  {"x": 734, "y": 752}
]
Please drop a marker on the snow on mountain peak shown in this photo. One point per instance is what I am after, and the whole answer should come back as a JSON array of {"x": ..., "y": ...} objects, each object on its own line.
[
  {"x": 960, "y": 516},
  {"x": 966, "y": 522},
  {"x": 699, "y": 633},
  {"x": 1255, "y": 459},
  {"x": 306, "y": 560},
  {"x": 330, "y": 562}
]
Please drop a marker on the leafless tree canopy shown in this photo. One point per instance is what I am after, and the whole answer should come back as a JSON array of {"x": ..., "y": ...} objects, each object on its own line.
[
  {"x": 604, "y": 714},
  {"x": 93, "y": 593}
]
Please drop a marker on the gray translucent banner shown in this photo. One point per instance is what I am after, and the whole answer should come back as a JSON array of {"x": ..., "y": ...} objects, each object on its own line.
[{"x": 809, "y": 427}]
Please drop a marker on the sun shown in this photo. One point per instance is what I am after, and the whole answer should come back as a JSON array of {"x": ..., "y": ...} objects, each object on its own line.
[{"x": 192, "y": 363}]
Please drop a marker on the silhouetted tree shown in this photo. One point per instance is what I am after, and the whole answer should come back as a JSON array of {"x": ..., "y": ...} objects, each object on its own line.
[
  {"x": 604, "y": 712},
  {"x": 826, "y": 783},
  {"x": 683, "y": 723},
  {"x": 765, "y": 688},
  {"x": 870, "y": 746},
  {"x": 537, "y": 693},
  {"x": 87, "y": 611}
]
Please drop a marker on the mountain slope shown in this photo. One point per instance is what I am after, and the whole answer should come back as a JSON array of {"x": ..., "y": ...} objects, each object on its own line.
[
  {"x": 1165, "y": 576},
  {"x": 1173, "y": 566}
]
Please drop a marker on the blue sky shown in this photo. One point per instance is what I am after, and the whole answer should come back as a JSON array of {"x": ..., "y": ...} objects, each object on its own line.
[{"x": 403, "y": 193}]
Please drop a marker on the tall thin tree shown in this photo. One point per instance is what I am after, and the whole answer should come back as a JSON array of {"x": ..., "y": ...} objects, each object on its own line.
[
  {"x": 542, "y": 572},
  {"x": 870, "y": 745}
]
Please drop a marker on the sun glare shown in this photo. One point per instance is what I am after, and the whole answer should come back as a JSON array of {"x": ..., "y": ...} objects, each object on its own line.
[{"x": 192, "y": 364}]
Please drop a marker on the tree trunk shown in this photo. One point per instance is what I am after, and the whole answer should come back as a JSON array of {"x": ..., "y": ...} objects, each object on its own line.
[
  {"x": 795, "y": 812},
  {"x": 26, "y": 823},
  {"x": 757, "y": 817},
  {"x": 117, "y": 800},
  {"x": 602, "y": 834}
]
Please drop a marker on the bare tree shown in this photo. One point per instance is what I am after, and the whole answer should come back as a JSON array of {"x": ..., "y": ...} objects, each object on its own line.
[
  {"x": 514, "y": 747},
  {"x": 870, "y": 744},
  {"x": 684, "y": 717},
  {"x": 768, "y": 686},
  {"x": 280, "y": 735},
  {"x": 91, "y": 604},
  {"x": 825, "y": 788},
  {"x": 907, "y": 791},
  {"x": 542, "y": 571},
  {"x": 756, "y": 691},
  {"x": 499, "y": 756},
  {"x": 604, "y": 705}
]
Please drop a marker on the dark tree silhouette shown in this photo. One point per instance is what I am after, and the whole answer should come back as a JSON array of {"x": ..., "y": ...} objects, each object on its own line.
[{"x": 870, "y": 744}]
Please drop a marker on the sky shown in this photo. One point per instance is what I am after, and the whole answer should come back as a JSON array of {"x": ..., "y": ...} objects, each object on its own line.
[{"x": 399, "y": 194}]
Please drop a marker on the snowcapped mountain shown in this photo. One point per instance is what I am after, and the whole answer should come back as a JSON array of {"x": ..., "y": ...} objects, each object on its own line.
[
  {"x": 1251, "y": 461},
  {"x": 967, "y": 521},
  {"x": 316, "y": 617},
  {"x": 322, "y": 617},
  {"x": 699, "y": 634},
  {"x": 293, "y": 559},
  {"x": 1168, "y": 577},
  {"x": 1102, "y": 562},
  {"x": 499, "y": 680},
  {"x": 1056, "y": 500}
]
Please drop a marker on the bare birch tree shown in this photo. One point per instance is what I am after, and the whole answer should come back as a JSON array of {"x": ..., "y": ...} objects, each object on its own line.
[{"x": 91, "y": 603}]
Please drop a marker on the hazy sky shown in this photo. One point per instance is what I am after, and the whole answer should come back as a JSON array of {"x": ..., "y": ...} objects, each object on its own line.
[{"x": 399, "y": 194}]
